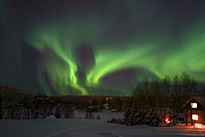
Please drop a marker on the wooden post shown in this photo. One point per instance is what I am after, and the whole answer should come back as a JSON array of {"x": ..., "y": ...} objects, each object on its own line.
[
  {"x": 204, "y": 115},
  {"x": 186, "y": 117},
  {"x": 191, "y": 117}
]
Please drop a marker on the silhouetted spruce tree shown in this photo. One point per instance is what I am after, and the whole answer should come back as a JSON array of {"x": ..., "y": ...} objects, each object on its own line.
[
  {"x": 89, "y": 114},
  {"x": 189, "y": 86},
  {"x": 169, "y": 97},
  {"x": 126, "y": 115},
  {"x": 58, "y": 111},
  {"x": 102, "y": 101},
  {"x": 69, "y": 112},
  {"x": 95, "y": 102},
  {"x": 130, "y": 115},
  {"x": 156, "y": 93},
  {"x": 177, "y": 87},
  {"x": 116, "y": 103},
  {"x": 138, "y": 96},
  {"x": 178, "y": 102},
  {"x": 127, "y": 103},
  {"x": 202, "y": 90},
  {"x": 166, "y": 91},
  {"x": 146, "y": 89},
  {"x": 39, "y": 105}
]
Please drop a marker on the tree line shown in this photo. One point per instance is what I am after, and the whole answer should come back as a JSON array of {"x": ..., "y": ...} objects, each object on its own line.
[
  {"x": 15, "y": 104},
  {"x": 152, "y": 97},
  {"x": 149, "y": 99}
]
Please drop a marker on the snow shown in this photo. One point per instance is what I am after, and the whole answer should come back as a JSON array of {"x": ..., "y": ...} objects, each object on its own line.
[
  {"x": 91, "y": 128},
  {"x": 105, "y": 114},
  {"x": 50, "y": 117}
]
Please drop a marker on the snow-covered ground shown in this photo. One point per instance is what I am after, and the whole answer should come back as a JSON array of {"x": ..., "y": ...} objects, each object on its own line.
[
  {"x": 105, "y": 114},
  {"x": 91, "y": 128}
]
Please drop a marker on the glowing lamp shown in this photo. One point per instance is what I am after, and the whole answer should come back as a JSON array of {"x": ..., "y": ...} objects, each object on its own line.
[
  {"x": 193, "y": 105},
  {"x": 167, "y": 120},
  {"x": 195, "y": 117}
]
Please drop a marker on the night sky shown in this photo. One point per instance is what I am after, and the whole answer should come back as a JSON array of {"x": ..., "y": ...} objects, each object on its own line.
[{"x": 99, "y": 47}]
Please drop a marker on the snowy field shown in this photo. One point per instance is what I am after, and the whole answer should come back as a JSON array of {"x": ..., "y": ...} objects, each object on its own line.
[
  {"x": 105, "y": 114},
  {"x": 91, "y": 128}
]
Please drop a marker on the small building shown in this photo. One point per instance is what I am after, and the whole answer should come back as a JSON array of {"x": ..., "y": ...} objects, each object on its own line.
[
  {"x": 106, "y": 106},
  {"x": 194, "y": 110}
]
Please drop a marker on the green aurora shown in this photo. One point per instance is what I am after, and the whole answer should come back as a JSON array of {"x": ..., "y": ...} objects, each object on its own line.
[
  {"x": 62, "y": 65},
  {"x": 92, "y": 47}
]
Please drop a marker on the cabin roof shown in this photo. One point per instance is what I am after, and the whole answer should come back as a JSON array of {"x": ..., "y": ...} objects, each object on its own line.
[{"x": 200, "y": 100}]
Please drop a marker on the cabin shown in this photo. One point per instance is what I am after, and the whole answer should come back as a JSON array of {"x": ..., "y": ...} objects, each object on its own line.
[
  {"x": 106, "y": 106},
  {"x": 194, "y": 110}
]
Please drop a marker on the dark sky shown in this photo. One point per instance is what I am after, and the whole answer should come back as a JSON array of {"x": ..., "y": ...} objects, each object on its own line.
[{"x": 99, "y": 47}]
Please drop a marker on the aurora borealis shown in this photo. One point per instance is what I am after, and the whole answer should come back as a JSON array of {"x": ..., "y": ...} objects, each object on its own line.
[{"x": 92, "y": 47}]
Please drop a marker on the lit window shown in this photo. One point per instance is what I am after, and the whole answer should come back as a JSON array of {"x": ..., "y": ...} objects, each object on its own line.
[
  {"x": 195, "y": 117},
  {"x": 193, "y": 105}
]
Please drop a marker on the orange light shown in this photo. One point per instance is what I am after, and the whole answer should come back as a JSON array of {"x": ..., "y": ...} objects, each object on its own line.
[
  {"x": 167, "y": 120},
  {"x": 193, "y": 105},
  {"x": 195, "y": 117}
]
